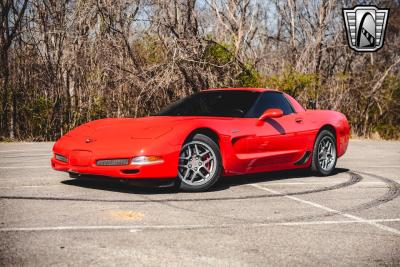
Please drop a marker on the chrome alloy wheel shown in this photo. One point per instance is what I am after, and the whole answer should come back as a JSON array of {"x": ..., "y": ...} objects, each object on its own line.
[
  {"x": 326, "y": 153},
  {"x": 197, "y": 163}
]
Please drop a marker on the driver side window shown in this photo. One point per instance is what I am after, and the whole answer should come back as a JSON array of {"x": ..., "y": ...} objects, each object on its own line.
[{"x": 271, "y": 100}]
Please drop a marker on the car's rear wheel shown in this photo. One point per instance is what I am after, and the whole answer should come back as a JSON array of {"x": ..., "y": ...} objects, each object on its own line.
[
  {"x": 324, "y": 154},
  {"x": 199, "y": 164}
]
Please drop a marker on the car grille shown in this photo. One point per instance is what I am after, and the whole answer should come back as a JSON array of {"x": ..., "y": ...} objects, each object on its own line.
[
  {"x": 61, "y": 158},
  {"x": 112, "y": 162}
]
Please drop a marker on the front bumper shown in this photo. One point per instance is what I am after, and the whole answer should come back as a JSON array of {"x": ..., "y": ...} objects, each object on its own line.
[
  {"x": 166, "y": 169},
  {"x": 140, "y": 182}
]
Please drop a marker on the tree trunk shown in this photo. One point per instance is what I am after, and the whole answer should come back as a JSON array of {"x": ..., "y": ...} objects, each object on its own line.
[{"x": 5, "y": 90}]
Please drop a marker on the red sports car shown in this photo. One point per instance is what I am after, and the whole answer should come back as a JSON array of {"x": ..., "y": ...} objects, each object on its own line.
[{"x": 217, "y": 132}]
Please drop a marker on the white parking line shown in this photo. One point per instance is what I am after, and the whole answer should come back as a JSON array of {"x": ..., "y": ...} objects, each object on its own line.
[
  {"x": 135, "y": 228},
  {"x": 5, "y": 180},
  {"x": 25, "y": 155},
  {"x": 27, "y": 167},
  {"x": 340, "y": 222},
  {"x": 356, "y": 218},
  {"x": 28, "y": 186},
  {"x": 320, "y": 183},
  {"x": 25, "y": 150},
  {"x": 380, "y": 166}
]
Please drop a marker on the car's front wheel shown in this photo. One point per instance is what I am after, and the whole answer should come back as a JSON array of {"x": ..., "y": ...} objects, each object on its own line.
[
  {"x": 324, "y": 154},
  {"x": 199, "y": 164}
]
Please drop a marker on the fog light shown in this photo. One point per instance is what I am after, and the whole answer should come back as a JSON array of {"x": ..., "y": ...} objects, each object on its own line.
[{"x": 144, "y": 160}]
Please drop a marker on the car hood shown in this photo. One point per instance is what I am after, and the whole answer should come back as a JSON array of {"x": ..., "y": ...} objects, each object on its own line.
[
  {"x": 120, "y": 137},
  {"x": 140, "y": 128}
]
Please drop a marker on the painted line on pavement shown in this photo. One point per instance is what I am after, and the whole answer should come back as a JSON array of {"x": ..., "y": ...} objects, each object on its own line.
[
  {"x": 316, "y": 205},
  {"x": 25, "y": 156},
  {"x": 28, "y": 186},
  {"x": 25, "y": 150},
  {"x": 27, "y": 167},
  {"x": 380, "y": 166},
  {"x": 317, "y": 183},
  {"x": 187, "y": 226}
]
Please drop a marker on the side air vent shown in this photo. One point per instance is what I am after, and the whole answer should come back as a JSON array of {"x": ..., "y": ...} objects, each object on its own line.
[
  {"x": 304, "y": 158},
  {"x": 112, "y": 162}
]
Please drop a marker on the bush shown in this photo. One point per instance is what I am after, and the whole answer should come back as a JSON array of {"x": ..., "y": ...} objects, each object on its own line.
[{"x": 292, "y": 82}]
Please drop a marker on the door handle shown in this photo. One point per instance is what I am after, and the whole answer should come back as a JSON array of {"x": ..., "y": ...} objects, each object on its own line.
[{"x": 299, "y": 120}]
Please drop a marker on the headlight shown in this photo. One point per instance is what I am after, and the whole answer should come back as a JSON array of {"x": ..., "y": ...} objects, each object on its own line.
[
  {"x": 61, "y": 158},
  {"x": 144, "y": 160}
]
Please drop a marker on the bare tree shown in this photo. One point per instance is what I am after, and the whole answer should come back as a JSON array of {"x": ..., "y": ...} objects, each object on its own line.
[
  {"x": 12, "y": 13},
  {"x": 66, "y": 62}
]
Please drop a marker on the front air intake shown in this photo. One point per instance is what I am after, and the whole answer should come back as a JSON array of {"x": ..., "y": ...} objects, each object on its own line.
[{"x": 112, "y": 162}]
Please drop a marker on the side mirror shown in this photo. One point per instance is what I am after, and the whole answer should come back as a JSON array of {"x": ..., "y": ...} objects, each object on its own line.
[{"x": 271, "y": 113}]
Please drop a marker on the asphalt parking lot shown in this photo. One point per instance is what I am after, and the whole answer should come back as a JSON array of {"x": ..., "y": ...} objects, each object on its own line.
[{"x": 283, "y": 218}]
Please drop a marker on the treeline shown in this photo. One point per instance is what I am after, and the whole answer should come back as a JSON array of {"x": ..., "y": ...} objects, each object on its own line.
[{"x": 65, "y": 62}]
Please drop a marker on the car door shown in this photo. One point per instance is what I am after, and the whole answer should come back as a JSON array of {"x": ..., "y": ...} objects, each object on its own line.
[{"x": 277, "y": 142}]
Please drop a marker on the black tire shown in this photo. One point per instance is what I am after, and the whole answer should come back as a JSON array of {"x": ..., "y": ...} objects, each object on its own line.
[
  {"x": 207, "y": 143},
  {"x": 316, "y": 166}
]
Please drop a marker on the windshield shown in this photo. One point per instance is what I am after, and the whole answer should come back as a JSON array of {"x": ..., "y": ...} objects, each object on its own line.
[{"x": 226, "y": 103}]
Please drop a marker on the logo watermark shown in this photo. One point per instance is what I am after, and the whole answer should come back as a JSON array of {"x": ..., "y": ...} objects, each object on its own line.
[{"x": 365, "y": 27}]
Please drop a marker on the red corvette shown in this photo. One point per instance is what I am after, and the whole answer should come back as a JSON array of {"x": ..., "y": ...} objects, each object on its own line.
[{"x": 217, "y": 132}]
